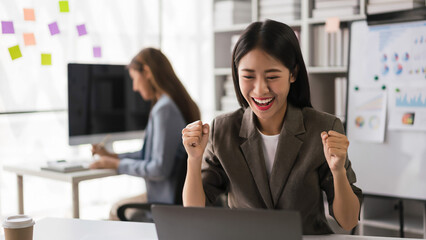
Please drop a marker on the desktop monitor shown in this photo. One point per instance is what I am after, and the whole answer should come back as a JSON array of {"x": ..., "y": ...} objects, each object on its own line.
[{"x": 101, "y": 101}]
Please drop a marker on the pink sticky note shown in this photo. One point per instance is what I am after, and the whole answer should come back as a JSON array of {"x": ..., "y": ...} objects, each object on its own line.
[
  {"x": 97, "y": 53},
  {"x": 332, "y": 24},
  {"x": 53, "y": 27},
  {"x": 81, "y": 29},
  {"x": 29, "y": 14},
  {"x": 7, "y": 27},
  {"x": 29, "y": 39}
]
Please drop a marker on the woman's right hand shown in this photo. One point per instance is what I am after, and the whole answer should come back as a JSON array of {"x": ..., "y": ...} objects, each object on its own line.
[
  {"x": 195, "y": 137},
  {"x": 98, "y": 149}
]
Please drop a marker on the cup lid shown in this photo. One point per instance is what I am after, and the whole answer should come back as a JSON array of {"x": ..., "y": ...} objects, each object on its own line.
[{"x": 18, "y": 221}]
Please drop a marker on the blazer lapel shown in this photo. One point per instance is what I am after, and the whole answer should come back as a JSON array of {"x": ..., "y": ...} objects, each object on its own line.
[
  {"x": 253, "y": 154},
  {"x": 287, "y": 150}
]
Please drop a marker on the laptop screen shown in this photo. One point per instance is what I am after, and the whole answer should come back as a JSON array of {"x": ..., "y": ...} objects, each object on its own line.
[{"x": 180, "y": 223}]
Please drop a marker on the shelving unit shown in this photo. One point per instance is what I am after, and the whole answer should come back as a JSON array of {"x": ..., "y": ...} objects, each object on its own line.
[
  {"x": 379, "y": 216},
  {"x": 321, "y": 77}
]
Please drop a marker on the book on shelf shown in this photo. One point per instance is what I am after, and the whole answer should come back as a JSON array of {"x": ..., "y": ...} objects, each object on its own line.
[
  {"x": 228, "y": 13},
  {"x": 279, "y": 10},
  {"x": 394, "y": 6},
  {"x": 274, "y": 3},
  {"x": 228, "y": 86},
  {"x": 334, "y": 3},
  {"x": 345, "y": 46},
  {"x": 329, "y": 49},
  {"x": 232, "y": 6},
  {"x": 281, "y": 18},
  {"x": 340, "y": 88},
  {"x": 390, "y": 1},
  {"x": 334, "y": 12},
  {"x": 234, "y": 40},
  {"x": 229, "y": 103}
]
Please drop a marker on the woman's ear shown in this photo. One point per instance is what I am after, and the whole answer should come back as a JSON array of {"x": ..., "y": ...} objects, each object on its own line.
[{"x": 293, "y": 74}]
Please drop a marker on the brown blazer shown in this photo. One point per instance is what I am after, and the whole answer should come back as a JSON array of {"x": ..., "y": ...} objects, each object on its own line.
[{"x": 234, "y": 163}]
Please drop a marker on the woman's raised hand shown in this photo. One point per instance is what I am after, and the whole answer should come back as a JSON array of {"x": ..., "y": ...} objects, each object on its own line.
[{"x": 195, "y": 136}]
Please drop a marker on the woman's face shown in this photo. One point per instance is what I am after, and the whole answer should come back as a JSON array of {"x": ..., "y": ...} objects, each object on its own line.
[
  {"x": 142, "y": 84},
  {"x": 264, "y": 83}
]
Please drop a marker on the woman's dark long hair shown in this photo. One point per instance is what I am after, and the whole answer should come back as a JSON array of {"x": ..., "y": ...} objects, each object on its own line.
[
  {"x": 278, "y": 40},
  {"x": 165, "y": 78}
]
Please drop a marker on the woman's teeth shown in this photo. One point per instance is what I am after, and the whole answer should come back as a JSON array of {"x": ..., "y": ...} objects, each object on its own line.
[{"x": 263, "y": 102}]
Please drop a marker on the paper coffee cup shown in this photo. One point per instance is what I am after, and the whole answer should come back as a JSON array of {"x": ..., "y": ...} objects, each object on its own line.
[{"x": 18, "y": 227}]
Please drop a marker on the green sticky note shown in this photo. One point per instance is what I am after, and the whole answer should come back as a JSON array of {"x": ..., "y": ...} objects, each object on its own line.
[
  {"x": 15, "y": 52},
  {"x": 46, "y": 59},
  {"x": 63, "y": 6}
]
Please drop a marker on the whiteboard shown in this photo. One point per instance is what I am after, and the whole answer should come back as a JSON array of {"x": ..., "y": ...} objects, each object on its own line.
[{"x": 388, "y": 60}]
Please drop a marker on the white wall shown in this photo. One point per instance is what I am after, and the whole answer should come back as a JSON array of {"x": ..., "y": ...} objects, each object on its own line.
[{"x": 121, "y": 28}]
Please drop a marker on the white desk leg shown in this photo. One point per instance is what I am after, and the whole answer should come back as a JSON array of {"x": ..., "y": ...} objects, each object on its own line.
[
  {"x": 75, "y": 201},
  {"x": 20, "y": 194}
]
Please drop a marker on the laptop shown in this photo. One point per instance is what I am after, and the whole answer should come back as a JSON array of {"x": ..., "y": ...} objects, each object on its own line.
[{"x": 179, "y": 223}]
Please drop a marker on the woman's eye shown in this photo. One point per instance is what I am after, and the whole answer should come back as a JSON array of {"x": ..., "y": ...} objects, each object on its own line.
[
  {"x": 248, "y": 77},
  {"x": 272, "y": 77}
]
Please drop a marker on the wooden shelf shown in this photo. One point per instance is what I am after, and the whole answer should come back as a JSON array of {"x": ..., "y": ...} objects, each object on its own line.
[
  {"x": 342, "y": 19},
  {"x": 233, "y": 28},
  {"x": 222, "y": 71},
  {"x": 342, "y": 69}
]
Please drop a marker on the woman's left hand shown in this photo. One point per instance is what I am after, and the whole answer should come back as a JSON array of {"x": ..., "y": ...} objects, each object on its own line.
[
  {"x": 335, "y": 149},
  {"x": 105, "y": 162}
]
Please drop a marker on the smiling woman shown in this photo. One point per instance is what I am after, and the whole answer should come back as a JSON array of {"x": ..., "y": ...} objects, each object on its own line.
[{"x": 276, "y": 152}]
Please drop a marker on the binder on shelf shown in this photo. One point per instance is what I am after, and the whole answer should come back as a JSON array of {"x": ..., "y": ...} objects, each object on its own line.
[
  {"x": 334, "y": 12},
  {"x": 228, "y": 13},
  {"x": 335, "y": 4},
  {"x": 382, "y": 7},
  {"x": 340, "y": 84}
]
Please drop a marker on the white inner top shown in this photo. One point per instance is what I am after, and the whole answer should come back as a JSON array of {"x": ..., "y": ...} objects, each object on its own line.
[{"x": 270, "y": 143}]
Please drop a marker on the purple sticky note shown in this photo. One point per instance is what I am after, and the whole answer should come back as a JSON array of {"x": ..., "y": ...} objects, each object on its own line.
[
  {"x": 81, "y": 29},
  {"x": 97, "y": 52},
  {"x": 53, "y": 27},
  {"x": 7, "y": 27}
]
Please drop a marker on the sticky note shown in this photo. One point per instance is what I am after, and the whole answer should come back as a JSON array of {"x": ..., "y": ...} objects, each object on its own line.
[
  {"x": 29, "y": 39},
  {"x": 29, "y": 14},
  {"x": 15, "y": 52},
  {"x": 97, "y": 53},
  {"x": 46, "y": 59},
  {"x": 53, "y": 27},
  {"x": 332, "y": 24},
  {"x": 7, "y": 27},
  {"x": 63, "y": 6},
  {"x": 81, "y": 29}
]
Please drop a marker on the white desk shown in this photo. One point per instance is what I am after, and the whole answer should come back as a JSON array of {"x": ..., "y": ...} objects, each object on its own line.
[
  {"x": 77, "y": 229},
  {"x": 74, "y": 178}
]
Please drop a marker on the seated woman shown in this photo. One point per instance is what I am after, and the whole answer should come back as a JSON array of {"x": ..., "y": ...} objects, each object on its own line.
[
  {"x": 162, "y": 155},
  {"x": 276, "y": 152}
]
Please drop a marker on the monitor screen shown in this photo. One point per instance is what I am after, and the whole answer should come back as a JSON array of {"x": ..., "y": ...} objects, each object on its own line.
[{"x": 101, "y": 101}]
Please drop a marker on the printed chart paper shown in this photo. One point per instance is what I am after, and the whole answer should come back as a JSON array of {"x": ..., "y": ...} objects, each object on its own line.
[
  {"x": 368, "y": 115},
  {"x": 407, "y": 108}
]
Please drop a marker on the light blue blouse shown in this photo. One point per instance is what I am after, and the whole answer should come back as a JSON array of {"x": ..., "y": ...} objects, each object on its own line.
[{"x": 161, "y": 154}]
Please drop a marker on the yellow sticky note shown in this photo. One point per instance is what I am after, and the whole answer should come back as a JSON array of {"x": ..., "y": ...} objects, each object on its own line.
[
  {"x": 332, "y": 24},
  {"x": 29, "y": 39},
  {"x": 46, "y": 59},
  {"x": 15, "y": 52},
  {"x": 29, "y": 14},
  {"x": 63, "y": 6}
]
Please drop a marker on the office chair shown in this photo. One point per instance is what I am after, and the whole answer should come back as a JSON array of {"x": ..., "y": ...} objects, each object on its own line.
[{"x": 143, "y": 213}]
